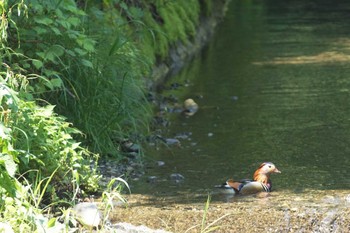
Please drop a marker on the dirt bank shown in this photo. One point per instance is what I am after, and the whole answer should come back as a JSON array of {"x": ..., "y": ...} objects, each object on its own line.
[{"x": 310, "y": 211}]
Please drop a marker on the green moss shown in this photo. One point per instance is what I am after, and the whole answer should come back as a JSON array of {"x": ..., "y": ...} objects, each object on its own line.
[
  {"x": 168, "y": 22},
  {"x": 156, "y": 42}
]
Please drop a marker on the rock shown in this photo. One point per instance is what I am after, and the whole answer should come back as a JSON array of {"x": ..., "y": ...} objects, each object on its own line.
[
  {"x": 87, "y": 214},
  {"x": 160, "y": 163},
  {"x": 132, "y": 147},
  {"x": 129, "y": 228},
  {"x": 172, "y": 141},
  {"x": 152, "y": 179},
  {"x": 183, "y": 135},
  {"x": 234, "y": 98},
  {"x": 6, "y": 227},
  {"x": 177, "y": 177},
  {"x": 190, "y": 107},
  {"x": 210, "y": 134}
]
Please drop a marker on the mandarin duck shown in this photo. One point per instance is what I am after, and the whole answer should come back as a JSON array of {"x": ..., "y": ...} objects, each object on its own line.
[{"x": 261, "y": 181}]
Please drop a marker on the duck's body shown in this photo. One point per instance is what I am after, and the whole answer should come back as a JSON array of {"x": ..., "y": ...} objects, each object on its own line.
[{"x": 261, "y": 181}]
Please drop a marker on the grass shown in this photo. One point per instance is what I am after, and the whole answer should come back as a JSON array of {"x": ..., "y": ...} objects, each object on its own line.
[{"x": 206, "y": 227}]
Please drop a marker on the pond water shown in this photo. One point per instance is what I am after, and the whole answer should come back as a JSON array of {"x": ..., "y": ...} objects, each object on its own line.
[{"x": 272, "y": 85}]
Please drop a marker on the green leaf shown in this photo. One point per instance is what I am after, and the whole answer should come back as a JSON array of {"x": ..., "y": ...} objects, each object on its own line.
[
  {"x": 80, "y": 51},
  {"x": 51, "y": 222},
  {"x": 86, "y": 43},
  {"x": 10, "y": 165},
  {"x": 136, "y": 12},
  {"x": 4, "y": 132},
  {"x": 40, "y": 30},
  {"x": 74, "y": 21},
  {"x": 8, "y": 183},
  {"x": 37, "y": 63},
  {"x": 64, "y": 24},
  {"x": 43, "y": 20},
  {"x": 53, "y": 52},
  {"x": 56, "y": 31},
  {"x": 123, "y": 5},
  {"x": 87, "y": 63},
  {"x": 70, "y": 52},
  {"x": 47, "y": 111},
  {"x": 9, "y": 96},
  {"x": 56, "y": 82}
]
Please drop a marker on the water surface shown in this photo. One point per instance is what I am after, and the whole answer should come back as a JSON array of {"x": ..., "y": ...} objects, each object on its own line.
[{"x": 272, "y": 85}]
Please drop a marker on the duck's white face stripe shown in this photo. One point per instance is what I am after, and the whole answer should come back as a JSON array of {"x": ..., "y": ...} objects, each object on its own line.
[{"x": 267, "y": 168}]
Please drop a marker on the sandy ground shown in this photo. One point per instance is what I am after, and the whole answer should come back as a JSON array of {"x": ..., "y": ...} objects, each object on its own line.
[{"x": 309, "y": 211}]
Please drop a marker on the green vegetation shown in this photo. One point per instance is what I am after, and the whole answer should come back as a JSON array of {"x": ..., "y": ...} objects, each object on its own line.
[{"x": 83, "y": 62}]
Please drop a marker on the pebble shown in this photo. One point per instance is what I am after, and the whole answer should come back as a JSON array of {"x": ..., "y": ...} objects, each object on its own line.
[
  {"x": 129, "y": 228},
  {"x": 6, "y": 227},
  {"x": 234, "y": 98},
  {"x": 160, "y": 163},
  {"x": 177, "y": 177},
  {"x": 87, "y": 214},
  {"x": 152, "y": 179},
  {"x": 190, "y": 107},
  {"x": 172, "y": 141}
]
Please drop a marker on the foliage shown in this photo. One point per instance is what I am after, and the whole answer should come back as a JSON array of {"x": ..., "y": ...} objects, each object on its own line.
[
  {"x": 83, "y": 63},
  {"x": 50, "y": 33},
  {"x": 92, "y": 59},
  {"x": 34, "y": 137},
  {"x": 108, "y": 102}
]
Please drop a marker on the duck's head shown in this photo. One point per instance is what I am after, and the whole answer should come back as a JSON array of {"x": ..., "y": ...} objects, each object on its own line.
[
  {"x": 262, "y": 174},
  {"x": 267, "y": 168}
]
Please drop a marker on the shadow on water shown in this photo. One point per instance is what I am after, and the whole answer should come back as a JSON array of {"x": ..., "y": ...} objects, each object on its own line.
[{"x": 273, "y": 85}]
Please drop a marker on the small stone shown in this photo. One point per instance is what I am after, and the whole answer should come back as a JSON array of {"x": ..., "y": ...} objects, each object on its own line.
[
  {"x": 87, "y": 214},
  {"x": 152, "y": 179},
  {"x": 160, "y": 163},
  {"x": 234, "y": 98},
  {"x": 190, "y": 107},
  {"x": 129, "y": 146},
  {"x": 210, "y": 134},
  {"x": 172, "y": 141},
  {"x": 6, "y": 227},
  {"x": 177, "y": 177},
  {"x": 123, "y": 227}
]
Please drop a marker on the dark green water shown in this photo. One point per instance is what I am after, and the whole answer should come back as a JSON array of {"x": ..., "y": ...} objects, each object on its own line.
[{"x": 272, "y": 85}]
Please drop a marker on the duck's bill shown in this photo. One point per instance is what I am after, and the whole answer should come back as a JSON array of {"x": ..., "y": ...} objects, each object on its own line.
[{"x": 276, "y": 171}]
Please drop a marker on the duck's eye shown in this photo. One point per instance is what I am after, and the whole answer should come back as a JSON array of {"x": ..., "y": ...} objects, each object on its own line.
[{"x": 269, "y": 166}]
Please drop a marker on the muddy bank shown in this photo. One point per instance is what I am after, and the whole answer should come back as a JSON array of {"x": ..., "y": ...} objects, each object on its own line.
[{"x": 311, "y": 211}]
